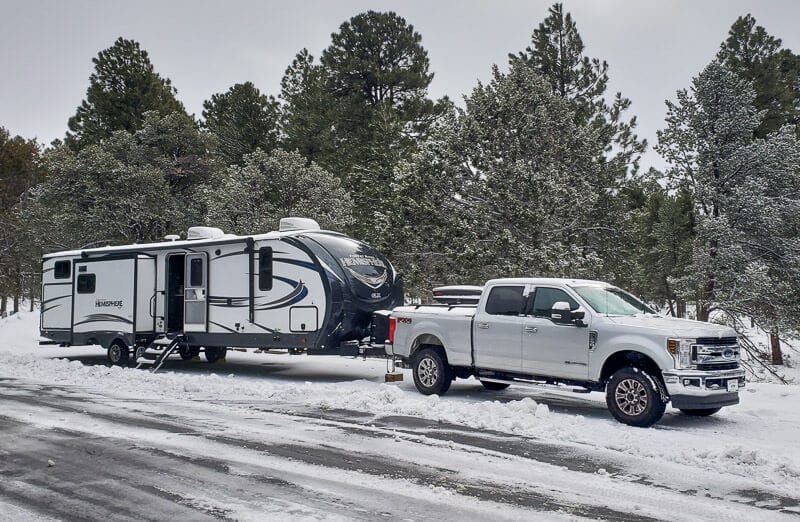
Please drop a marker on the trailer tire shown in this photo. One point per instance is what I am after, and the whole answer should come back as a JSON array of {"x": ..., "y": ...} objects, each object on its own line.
[
  {"x": 187, "y": 352},
  {"x": 432, "y": 374},
  {"x": 704, "y": 412},
  {"x": 495, "y": 386},
  {"x": 634, "y": 398},
  {"x": 118, "y": 353},
  {"x": 215, "y": 353},
  {"x": 138, "y": 352}
]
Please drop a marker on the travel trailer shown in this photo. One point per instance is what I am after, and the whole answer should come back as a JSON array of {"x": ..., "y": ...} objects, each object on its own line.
[{"x": 300, "y": 288}]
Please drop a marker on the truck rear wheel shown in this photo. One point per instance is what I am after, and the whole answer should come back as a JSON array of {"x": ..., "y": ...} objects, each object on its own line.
[
  {"x": 432, "y": 374},
  {"x": 118, "y": 353},
  {"x": 633, "y": 397},
  {"x": 705, "y": 412}
]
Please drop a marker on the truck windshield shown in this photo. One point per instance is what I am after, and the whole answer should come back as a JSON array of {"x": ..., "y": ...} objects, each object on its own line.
[{"x": 612, "y": 301}]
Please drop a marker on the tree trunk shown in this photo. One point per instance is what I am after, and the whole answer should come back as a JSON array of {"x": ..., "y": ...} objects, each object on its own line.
[
  {"x": 2, "y": 305},
  {"x": 16, "y": 302},
  {"x": 31, "y": 295},
  {"x": 775, "y": 343}
]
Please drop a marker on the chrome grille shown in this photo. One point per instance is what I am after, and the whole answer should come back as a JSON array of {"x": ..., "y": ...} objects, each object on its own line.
[{"x": 716, "y": 353}]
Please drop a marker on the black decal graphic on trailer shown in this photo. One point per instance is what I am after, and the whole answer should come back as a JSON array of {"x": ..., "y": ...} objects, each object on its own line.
[{"x": 100, "y": 318}]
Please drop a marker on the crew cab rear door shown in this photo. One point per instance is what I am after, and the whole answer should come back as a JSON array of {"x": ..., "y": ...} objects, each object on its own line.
[
  {"x": 550, "y": 348},
  {"x": 497, "y": 333}
]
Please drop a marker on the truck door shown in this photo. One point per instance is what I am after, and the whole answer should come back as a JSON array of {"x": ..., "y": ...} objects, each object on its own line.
[
  {"x": 498, "y": 329},
  {"x": 195, "y": 309},
  {"x": 549, "y": 348}
]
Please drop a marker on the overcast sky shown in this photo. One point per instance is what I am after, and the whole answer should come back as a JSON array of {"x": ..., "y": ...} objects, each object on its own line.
[{"x": 204, "y": 47}]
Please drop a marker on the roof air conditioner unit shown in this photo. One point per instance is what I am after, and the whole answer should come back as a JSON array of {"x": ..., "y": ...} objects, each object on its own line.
[
  {"x": 204, "y": 233},
  {"x": 292, "y": 224}
]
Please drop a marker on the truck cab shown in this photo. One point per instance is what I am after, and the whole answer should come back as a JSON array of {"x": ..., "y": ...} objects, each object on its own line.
[{"x": 583, "y": 333}]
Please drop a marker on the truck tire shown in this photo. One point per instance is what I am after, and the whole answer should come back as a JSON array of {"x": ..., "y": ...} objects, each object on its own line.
[
  {"x": 634, "y": 398},
  {"x": 432, "y": 374},
  {"x": 215, "y": 353},
  {"x": 495, "y": 386},
  {"x": 705, "y": 412},
  {"x": 118, "y": 353}
]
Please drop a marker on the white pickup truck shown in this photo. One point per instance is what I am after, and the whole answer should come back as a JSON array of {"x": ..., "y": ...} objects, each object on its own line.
[{"x": 574, "y": 332}]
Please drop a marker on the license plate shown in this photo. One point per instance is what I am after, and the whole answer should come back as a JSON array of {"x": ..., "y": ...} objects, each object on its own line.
[{"x": 733, "y": 385}]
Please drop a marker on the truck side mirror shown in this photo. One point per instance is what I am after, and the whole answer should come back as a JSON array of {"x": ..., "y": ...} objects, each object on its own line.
[{"x": 560, "y": 313}]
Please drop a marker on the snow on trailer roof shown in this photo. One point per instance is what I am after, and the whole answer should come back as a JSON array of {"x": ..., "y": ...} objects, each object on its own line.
[{"x": 203, "y": 235}]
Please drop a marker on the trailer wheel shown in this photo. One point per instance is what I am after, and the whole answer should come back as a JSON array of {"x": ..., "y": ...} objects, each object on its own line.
[
  {"x": 215, "y": 353},
  {"x": 495, "y": 386},
  {"x": 704, "y": 412},
  {"x": 186, "y": 352},
  {"x": 633, "y": 397},
  {"x": 432, "y": 374},
  {"x": 118, "y": 353},
  {"x": 138, "y": 352}
]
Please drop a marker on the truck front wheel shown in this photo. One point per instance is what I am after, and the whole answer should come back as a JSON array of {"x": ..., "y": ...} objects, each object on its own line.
[
  {"x": 432, "y": 374},
  {"x": 633, "y": 397}
]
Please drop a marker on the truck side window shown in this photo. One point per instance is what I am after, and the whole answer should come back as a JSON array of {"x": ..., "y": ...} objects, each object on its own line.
[
  {"x": 265, "y": 268},
  {"x": 86, "y": 283},
  {"x": 61, "y": 270},
  {"x": 506, "y": 300},
  {"x": 545, "y": 298}
]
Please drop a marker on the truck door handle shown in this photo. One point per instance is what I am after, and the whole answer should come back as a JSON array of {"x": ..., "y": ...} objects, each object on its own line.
[
  {"x": 483, "y": 326},
  {"x": 530, "y": 329}
]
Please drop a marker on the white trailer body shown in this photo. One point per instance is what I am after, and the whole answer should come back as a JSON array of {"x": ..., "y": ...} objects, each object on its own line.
[{"x": 297, "y": 289}]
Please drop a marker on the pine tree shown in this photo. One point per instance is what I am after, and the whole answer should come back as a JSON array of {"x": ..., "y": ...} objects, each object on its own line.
[
  {"x": 363, "y": 109},
  {"x": 122, "y": 88},
  {"x": 242, "y": 120},
  {"x": 307, "y": 109},
  {"x": 20, "y": 169},
  {"x": 527, "y": 166},
  {"x": 130, "y": 188},
  {"x": 557, "y": 54},
  {"x": 745, "y": 191},
  {"x": 774, "y": 72},
  {"x": 253, "y": 197}
]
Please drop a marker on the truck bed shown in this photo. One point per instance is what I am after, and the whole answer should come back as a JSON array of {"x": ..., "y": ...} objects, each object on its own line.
[{"x": 451, "y": 325}]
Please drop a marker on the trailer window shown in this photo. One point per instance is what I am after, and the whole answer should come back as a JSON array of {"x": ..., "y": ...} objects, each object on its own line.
[
  {"x": 61, "y": 270},
  {"x": 506, "y": 300},
  {"x": 195, "y": 272},
  {"x": 265, "y": 268},
  {"x": 86, "y": 283}
]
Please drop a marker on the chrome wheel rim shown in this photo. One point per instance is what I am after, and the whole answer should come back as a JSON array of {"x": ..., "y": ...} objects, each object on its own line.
[
  {"x": 428, "y": 372},
  {"x": 631, "y": 397}
]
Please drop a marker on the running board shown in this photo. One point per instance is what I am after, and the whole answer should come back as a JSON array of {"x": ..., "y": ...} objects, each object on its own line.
[
  {"x": 159, "y": 350},
  {"x": 535, "y": 384}
]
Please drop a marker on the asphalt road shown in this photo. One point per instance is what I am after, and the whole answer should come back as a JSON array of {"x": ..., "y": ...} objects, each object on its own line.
[{"x": 69, "y": 453}]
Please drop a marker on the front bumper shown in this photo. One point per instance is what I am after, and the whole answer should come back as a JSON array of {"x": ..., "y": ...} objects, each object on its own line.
[{"x": 694, "y": 389}]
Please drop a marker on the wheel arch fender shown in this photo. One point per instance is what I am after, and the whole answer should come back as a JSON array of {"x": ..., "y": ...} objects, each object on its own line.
[{"x": 424, "y": 340}]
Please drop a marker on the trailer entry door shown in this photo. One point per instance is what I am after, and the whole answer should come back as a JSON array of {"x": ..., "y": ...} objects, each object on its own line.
[{"x": 194, "y": 297}]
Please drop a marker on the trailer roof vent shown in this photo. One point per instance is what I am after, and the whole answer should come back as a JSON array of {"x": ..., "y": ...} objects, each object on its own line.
[
  {"x": 204, "y": 233},
  {"x": 172, "y": 237},
  {"x": 291, "y": 224}
]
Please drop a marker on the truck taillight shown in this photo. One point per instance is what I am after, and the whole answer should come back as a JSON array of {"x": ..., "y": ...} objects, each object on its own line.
[{"x": 392, "y": 327}]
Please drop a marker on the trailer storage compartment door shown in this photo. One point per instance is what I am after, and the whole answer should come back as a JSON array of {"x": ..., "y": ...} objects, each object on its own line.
[
  {"x": 104, "y": 302},
  {"x": 57, "y": 294}
]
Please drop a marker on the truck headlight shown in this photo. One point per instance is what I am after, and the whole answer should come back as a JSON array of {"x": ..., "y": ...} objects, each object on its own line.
[{"x": 681, "y": 350}]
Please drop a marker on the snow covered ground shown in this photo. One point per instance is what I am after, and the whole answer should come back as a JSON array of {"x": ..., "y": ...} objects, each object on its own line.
[{"x": 297, "y": 437}]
